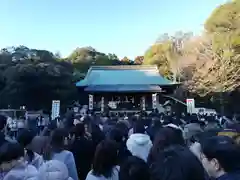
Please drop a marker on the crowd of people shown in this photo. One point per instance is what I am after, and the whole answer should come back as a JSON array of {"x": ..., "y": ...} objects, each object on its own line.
[{"x": 124, "y": 147}]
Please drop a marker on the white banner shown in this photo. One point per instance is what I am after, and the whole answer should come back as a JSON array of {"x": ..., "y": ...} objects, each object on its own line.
[
  {"x": 102, "y": 104},
  {"x": 55, "y": 109},
  {"x": 143, "y": 103},
  {"x": 154, "y": 101},
  {"x": 190, "y": 105},
  {"x": 90, "y": 102}
]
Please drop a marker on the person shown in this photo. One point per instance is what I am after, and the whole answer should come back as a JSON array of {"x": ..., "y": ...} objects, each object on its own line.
[
  {"x": 3, "y": 123},
  {"x": 232, "y": 132},
  {"x": 118, "y": 135},
  {"x": 167, "y": 136},
  {"x": 220, "y": 157},
  {"x": 176, "y": 162},
  {"x": 40, "y": 142},
  {"x": 139, "y": 143},
  {"x": 54, "y": 170},
  {"x": 56, "y": 151},
  {"x": 40, "y": 124},
  {"x": 13, "y": 127},
  {"x": 134, "y": 168},
  {"x": 25, "y": 139},
  {"x": 82, "y": 149},
  {"x": 154, "y": 128},
  {"x": 105, "y": 162},
  {"x": 96, "y": 134},
  {"x": 12, "y": 163},
  {"x": 192, "y": 130}
]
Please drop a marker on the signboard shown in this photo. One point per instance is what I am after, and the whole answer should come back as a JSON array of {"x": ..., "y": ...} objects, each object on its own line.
[
  {"x": 154, "y": 101},
  {"x": 90, "y": 102},
  {"x": 55, "y": 109},
  {"x": 190, "y": 105}
]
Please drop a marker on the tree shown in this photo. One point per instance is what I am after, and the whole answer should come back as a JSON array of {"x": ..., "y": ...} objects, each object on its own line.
[
  {"x": 225, "y": 20},
  {"x": 219, "y": 70},
  {"x": 139, "y": 60},
  {"x": 167, "y": 53},
  {"x": 34, "y": 82},
  {"x": 126, "y": 61}
]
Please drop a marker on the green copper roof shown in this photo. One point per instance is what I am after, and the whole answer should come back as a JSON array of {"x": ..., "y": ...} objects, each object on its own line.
[{"x": 123, "y": 75}]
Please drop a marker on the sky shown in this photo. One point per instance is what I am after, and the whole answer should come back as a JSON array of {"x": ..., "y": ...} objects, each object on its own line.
[{"x": 124, "y": 27}]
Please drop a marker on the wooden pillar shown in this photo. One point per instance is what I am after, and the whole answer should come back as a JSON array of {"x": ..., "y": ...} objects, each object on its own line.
[{"x": 90, "y": 102}]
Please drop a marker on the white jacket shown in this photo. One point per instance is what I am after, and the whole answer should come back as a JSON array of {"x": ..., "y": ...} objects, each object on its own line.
[
  {"x": 23, "y": 172},
  {"x": 115, "y": 175},
  {"x": 139, "y": 145},
  {"x": 54, "y": 170}
]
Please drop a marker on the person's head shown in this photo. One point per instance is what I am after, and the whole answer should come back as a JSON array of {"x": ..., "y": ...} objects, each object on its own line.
[
  {"x": 220, "y": 155},
  {"x": 177, "y": 162},
  {"x": 165, "y": 137},
  {"x": 106, "y": 157},
  {"x": 3, "y": 122},
  {"x": 116, "y": 135},
  {"x": 139, "y": 127},
  {"x": 25, "y": 139},
  {"x": 10, "y": 155},
  {"x": 57, "y": 139},
  {"x": 79, "y": 130},
  {"x": 134, "y": 168},
  {"x": 56, "y": 144}
]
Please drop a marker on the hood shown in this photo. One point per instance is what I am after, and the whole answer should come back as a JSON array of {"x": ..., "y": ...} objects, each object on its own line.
[
  {"x": 53, "y": 170},
  {"x": 22, "y": 172},
  {"x": 139, "y": 145},
  {"x": 140, "y": 139}
]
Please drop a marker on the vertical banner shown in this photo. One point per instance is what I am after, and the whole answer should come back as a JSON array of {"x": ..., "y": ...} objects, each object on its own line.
[
  {"x": 143, "y": 103},
  {"x": 102, "y": 104},
  {"x": 90, "y": 102},
  {"x": 55, "y": 109},
  {"x": 190, "y": 105},
  {"x": 154, "y": 101}
]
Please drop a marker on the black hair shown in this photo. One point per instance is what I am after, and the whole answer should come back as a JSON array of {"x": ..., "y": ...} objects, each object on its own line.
[
  {"x": 106, "y": 157},
  {"x": 25, "y": 138},
  {"x": 171, "y": 165},
  {"x": 134, "y": 168},
  {"x": 116, "y": 134},
  {"x": 56, "y": 144},
  {"x": 79, "y": 130},
  {"x": 165, "y": 137},
  {"x": 223, "y": 149},
  {"x": 3, "y": 122},
  {"x": 139, "y": 127},
  {"x": 10, "y": 151}
]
